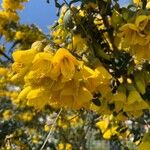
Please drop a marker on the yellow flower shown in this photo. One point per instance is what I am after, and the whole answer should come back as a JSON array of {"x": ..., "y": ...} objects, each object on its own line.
[
  {"x": 131, "y": 35},
  {"x": 39, "y": 97},
  {"x": 47, "y": 128},
  {"x": 133, "y": 97},
  {"x": 68, "y": 146},
  {"x": 60, "y": 146},
  {"x": 59, "y": 35},
  {"x": 3, "y": 71},
  {"x": 135, "y": 102},
  {"x": 64, "y": 146},
  {"x": 103, "y": 125},
  {"x": 24, "y": 55},
  {"x": 110, "y": 132},
  {"x": 141, "y": 22},
  {"x": 39, "y": 72},
  {"x": 63, "y": 64},
  {"x": 95, "y": 78},
  {"x": 36, "y": 139},
  {"x": 139, "y": 3},
  {"x": 22, "y": 63},
  {"x": 105, "y": 75},
  {"x": 91, "y": 78},
  {"x": 23, "y": 94},
  {"x": 141, "y": 52},
  {"x": 26, "y": 116},
  {"x": 19, "y": 35},
  {"x": 145, "y": 144},
  {"x": 74, "y": 120},
  {"x": 136, "y": 37},
  {"x": 8, "y": 16},
  {"x": 13, "y": 4},
  {"x": 13, "y": 96},
  {"x": 107, "y": 131},
  {"x": 62, "y": 123},
  {"x": 75, "y": 96},
  {"x": 7, "y": 114}
]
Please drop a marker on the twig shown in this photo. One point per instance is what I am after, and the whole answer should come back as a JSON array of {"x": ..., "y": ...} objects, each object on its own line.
[
  {"x": 2, "y": 53},
  {"x": 50, "y": 132},
  {"x": 144, "y": 3},
  {"x": 147, "y": 124}
]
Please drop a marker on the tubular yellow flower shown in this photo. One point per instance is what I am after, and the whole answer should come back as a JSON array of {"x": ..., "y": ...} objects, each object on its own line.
[
  {"x": 38, "y": 97},
  {"x": 95, "y": 78},
  {"x": 103, "y": 125},
  {"x": 107, "y": 130},
  {"x": 90, "y": 78},
  {"x": 135, "y": 102},
  {"x": 22, "y": 62},
  {"x": 3, "y": 71},
  {"x": 141, "y": 22},
  {"x": 136, "y": 37},
  {"x": 110, "y": 132},
  {"x": 23, "y": 94},
  {"x": 131, "y": 35},
  {"x": 63, "y": 64},
  {"x": 74, "y": 96},
  {"x": 105, "y": 75},
  {"x": 40, "y": 69}
]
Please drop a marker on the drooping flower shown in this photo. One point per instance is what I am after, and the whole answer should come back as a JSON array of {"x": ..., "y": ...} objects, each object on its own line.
[
  {"x": 136, "y": 37},
  {"x": 131, "y": 35},
  {"x": 64, "y": 65},
  {"x": 39, "y": 72},
  {"x": 22, "y": 62},
  {"x": 75, "y": 95},
  {"x": 38, "y": 97},
  {"x": 108, "y": 130}
]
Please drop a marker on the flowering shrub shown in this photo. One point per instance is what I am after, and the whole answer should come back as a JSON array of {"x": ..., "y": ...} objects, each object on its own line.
[{"x": 85, "y": 83}]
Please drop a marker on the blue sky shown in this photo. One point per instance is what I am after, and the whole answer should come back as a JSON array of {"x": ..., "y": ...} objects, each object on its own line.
[{"x": 40, "y": 13}]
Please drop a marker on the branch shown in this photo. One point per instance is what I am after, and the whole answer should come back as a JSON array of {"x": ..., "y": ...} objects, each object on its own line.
[
  {"x": 51, "y": 130},
  {"x": 144, "y": 3},
  {"x": 6, "y": 56}
]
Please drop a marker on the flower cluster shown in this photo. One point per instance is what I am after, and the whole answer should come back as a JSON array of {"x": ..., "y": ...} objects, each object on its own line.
[
  {"x": 110, "y": 128},
  {"x": 136, "y": 35},
  {"x": 13, "y": 4},
  {"x": 8, "y": 14},
  {"x": 58, "y": 79}
]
